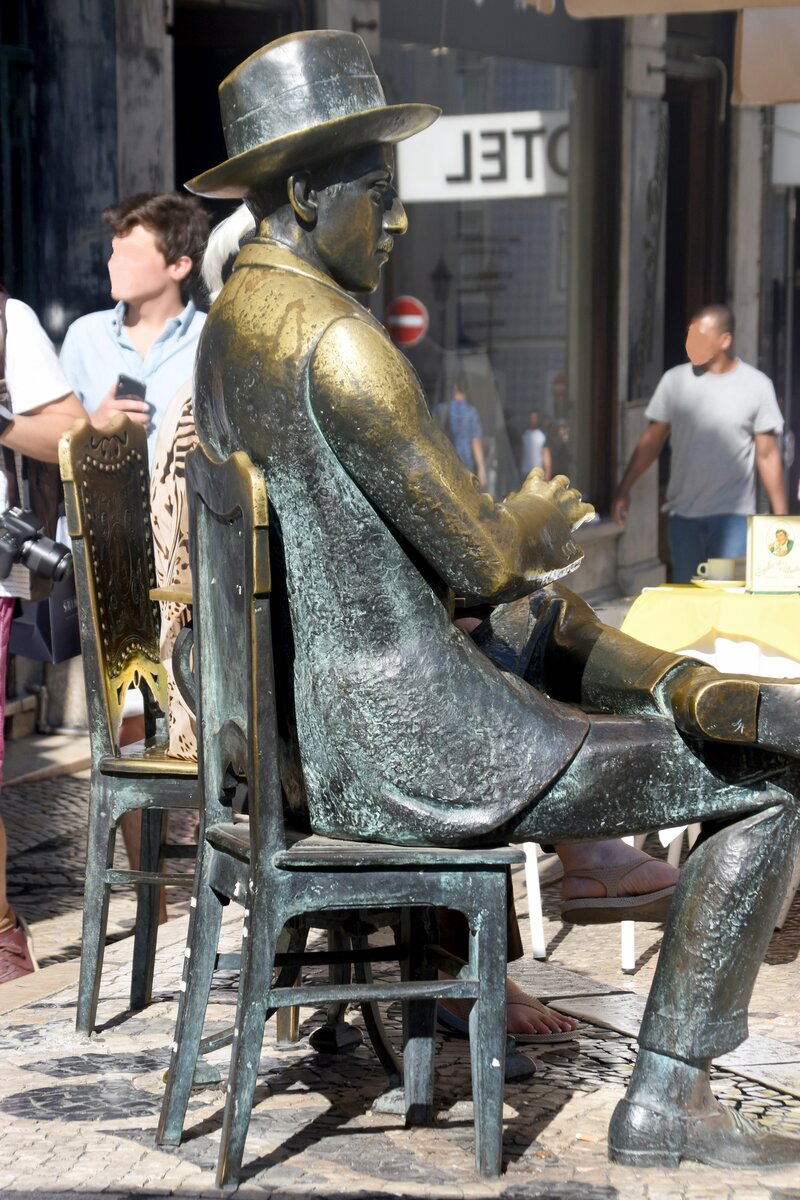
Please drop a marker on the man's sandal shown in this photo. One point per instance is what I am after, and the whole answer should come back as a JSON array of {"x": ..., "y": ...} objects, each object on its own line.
[{"x": 611, "y": 908}]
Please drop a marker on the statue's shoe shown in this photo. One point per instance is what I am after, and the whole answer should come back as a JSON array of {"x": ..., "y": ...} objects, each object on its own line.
[
  {"x": 739, "y": 709},
  {"x": 644, "y": 1137}
]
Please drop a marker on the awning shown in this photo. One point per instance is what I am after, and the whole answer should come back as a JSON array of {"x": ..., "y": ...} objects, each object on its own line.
[
  {"x": 766, "y": 58},
  {"x": 638, "y": 8}
]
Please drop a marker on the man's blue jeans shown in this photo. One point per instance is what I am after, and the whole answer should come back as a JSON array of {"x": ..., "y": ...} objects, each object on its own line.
[{"x": 694, "y": 539}]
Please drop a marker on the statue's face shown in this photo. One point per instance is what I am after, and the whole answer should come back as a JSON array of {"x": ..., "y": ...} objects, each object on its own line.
[{"x": 358, "y": 219}]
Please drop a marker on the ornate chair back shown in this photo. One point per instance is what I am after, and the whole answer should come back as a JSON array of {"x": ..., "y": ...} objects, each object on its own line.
[
  {"x": 232, "y": 630},
  {"x": 107, "y": 492}
]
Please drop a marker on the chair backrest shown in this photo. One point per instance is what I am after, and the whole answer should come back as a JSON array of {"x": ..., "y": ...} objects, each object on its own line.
[
  {"x": 233, "y": 662},
  {"x": 107, "y": 495}
]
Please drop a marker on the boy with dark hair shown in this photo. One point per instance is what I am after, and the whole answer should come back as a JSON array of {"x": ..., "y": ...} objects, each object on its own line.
[
  {"x": 178, "y": 223},
  {"x": 151, "y": 336},
  {"x": 134, "y": 358}
]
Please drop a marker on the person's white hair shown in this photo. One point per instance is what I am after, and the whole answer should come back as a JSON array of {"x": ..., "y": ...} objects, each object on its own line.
[{"x": 223, "y": 244}]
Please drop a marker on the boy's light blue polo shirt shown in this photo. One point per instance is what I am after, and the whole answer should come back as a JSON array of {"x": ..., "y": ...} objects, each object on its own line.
[{"x": 97, "y": 349}]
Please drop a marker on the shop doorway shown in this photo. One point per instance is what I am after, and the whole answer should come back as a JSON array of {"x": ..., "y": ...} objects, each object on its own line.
[
  {"x": 17, "y": 269},
  {"x": 696, "y": 219},
  {"x": 210, "y": 41},
  {"x": 696, "y": 222}
]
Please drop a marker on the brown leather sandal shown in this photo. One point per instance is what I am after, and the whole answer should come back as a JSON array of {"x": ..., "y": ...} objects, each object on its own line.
[{"x": 612, "y": 908}]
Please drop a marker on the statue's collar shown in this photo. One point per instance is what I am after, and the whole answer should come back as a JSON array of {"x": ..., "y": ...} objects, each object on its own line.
[{"x": 264, "y": 252}]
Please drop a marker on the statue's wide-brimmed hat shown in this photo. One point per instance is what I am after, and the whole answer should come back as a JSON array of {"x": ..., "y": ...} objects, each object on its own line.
[{"x": 300, "y": 100}]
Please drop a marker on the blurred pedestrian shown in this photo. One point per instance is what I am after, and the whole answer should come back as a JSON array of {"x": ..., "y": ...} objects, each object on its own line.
[
  {"x": 560, "y": 455},
  {"x": 721, "y": 417},
  {"x": 535, "y": 450},
  {"x": 460, "y": 421},
  {"x": 36, "y": 407}
]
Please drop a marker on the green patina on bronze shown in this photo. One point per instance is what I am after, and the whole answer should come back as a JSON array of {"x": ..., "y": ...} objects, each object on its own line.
[{"x": 546, "y": 726}]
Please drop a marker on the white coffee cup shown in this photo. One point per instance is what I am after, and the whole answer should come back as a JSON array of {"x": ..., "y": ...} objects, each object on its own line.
[{"x": 718, "y": 568}]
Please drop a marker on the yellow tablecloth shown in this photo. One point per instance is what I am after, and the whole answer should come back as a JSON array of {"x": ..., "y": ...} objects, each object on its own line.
[{"x": 676, "y": 617}]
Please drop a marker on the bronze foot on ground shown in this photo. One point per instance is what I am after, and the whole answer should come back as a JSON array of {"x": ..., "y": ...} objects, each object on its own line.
[{"x": 645, "y": 1137}]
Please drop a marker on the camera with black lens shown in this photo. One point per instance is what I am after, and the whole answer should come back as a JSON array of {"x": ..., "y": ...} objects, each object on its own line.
[{"x": 22, "y": 541}]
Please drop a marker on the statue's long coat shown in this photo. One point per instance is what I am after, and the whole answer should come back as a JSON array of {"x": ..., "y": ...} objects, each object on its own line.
[{"x": 406, "y": 731}]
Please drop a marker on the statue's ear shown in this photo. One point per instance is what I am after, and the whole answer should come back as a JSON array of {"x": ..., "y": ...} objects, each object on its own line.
[{"x": 302, "y": 197}]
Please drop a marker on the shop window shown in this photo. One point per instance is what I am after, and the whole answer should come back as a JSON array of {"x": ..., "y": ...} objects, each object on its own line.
[{"x": 488, "y": 246}]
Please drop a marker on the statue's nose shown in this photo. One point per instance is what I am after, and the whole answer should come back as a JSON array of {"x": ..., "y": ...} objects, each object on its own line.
[{"x": 395, "y": 220}]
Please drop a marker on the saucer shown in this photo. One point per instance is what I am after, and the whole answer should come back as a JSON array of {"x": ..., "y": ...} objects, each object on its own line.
[{"x": 704, "y": 581}]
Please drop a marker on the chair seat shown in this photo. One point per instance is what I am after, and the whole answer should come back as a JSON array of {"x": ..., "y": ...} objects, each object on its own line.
[
  {"x": 139, "y": 759},
  {"x": 314, "y": 850}
]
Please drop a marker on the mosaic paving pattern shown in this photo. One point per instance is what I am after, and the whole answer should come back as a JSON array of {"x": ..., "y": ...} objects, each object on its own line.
[
  {"x": 46, "y": 829},
  {"x": 78, "y": 1116}
]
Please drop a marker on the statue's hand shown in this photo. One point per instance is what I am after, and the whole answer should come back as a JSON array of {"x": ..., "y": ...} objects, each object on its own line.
[{"x": 559, "y": 493}]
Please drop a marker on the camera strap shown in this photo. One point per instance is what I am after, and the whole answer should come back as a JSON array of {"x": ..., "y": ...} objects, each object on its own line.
[{"x": 9, "y": 458}]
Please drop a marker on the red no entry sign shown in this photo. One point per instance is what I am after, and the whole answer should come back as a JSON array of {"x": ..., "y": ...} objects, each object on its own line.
[{"x": 407, "y": 320}]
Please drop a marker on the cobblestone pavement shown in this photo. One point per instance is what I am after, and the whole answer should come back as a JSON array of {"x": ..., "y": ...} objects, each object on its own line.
[{"x": 78, "y": 1115}]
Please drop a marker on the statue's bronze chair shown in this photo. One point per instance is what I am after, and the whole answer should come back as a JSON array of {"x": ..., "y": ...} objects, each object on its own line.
[
  {"x": 281, "y": 877},
  {"x": 107, "y": 490}
]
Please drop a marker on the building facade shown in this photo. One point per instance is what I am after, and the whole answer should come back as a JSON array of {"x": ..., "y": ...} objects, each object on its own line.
[{"x": 591, "y": 185}]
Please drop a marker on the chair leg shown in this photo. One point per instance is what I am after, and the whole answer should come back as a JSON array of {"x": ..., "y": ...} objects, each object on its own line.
[
  {"x": 627, "y": 929},
  {"x": 148, "y": 902},
  {"x": 287, "y": 1026},
  {"x": 336, "y": 1035},
  {"x": 202, "y": 940},
  {"x": 487, "y": 1028},
  {"x": 419, "y": 1017},
  {"x": 255, "y": 980},
  {"x": 96, "y": 894},
  {"x": 535, "y": 916},
  {"x": 287, "y": 1020},
  {"x": 373, "y": 1021}
]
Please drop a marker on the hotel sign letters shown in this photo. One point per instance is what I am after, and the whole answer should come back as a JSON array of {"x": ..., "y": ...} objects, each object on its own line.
[{"x": 487, "y": 156}]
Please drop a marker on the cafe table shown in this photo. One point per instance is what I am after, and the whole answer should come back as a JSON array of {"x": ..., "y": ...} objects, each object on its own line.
[
  {"x": 725, "y": 625},
  {"x": 732, "y": 629}
]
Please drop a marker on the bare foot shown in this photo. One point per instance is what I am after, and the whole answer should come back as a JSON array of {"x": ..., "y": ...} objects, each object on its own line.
[
  {"x": 650, "y": 875},
  {"x": 524, "y": 1013}
]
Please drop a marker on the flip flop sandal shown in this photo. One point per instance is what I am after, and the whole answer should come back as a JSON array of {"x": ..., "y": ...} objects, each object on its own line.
[
  {"x": 456, "y": 1026},
  {"x": 611, "y": 908}
]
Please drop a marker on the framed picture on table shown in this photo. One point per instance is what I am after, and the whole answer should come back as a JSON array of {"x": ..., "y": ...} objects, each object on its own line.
[{"x": 773, "y": 554}]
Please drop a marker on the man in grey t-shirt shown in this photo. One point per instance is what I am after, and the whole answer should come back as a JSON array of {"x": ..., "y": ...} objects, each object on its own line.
[{"x": 722, "y": 419}]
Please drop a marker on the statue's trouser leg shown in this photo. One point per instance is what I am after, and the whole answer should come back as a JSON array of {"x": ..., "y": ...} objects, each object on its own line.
[
  {"x": 722, "y": 917},
  {"x": 633, "y": 775}
]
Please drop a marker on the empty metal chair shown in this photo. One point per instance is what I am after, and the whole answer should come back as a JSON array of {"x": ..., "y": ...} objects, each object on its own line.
[{"x": 106, "y": 483}]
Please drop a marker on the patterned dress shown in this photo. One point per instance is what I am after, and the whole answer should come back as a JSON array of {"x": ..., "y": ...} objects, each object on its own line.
[{"x": 170, "y": 519}]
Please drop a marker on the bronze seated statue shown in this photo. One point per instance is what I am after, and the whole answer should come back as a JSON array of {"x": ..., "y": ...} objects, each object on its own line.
[{"x": 548, "y": 726}]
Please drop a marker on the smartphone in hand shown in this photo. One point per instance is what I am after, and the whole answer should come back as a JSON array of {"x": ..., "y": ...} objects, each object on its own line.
[{"x": 128, "y": 386}]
